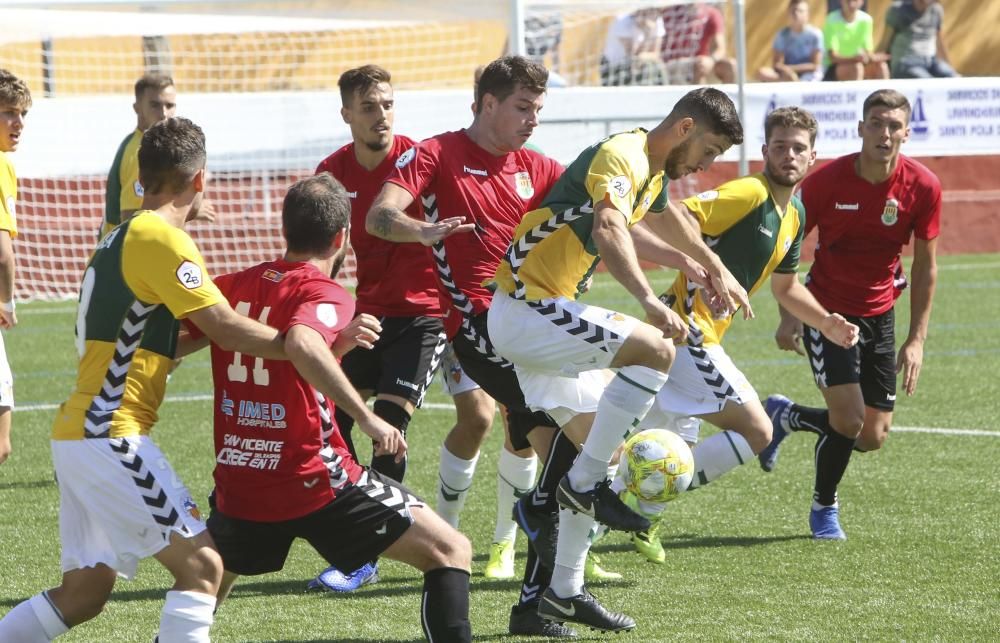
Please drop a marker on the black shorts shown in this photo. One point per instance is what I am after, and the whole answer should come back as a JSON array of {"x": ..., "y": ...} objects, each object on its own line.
[
  {"x": 359, "y": 524},
  {"x": 403, "y": 360},
  {"x": 500, "y": 383},
  {"x": 871, "y": 362}
]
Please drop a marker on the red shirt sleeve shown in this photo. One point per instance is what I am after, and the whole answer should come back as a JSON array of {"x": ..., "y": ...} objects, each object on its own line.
[
  {"x": 416, "y": 168},
  {"x": 326, "y": 308},
  {"x": 927, "y": 225},
  {"x": 810, "y": 199}
]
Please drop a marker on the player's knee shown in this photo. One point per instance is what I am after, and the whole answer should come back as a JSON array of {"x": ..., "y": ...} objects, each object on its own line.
[
  {"x": 204, "y": 572},
  {"x": 76, "y": 607},
  {"x": 848, "y": 424},
  {"x": 872, "y": 438},
  {"x": 757, "y": 433},
  {"x": 455, "y": 551}
]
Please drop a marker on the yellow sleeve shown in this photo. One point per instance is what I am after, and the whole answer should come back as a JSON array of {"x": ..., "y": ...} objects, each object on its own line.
[
  {"x": 162, "y": 265},
  {"x": 131, "y": 194},
  {"x": 617, "y": 173},
  {"x": 8, "y": 196},
  {"x": 720, "y": 209}
]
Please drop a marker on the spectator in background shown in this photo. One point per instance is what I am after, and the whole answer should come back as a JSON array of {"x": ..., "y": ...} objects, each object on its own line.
[
  {"x": 694, "y": 48},
  {"x": 848, "y": 38},
  {"x": 631, "y": 51},
  {"x": 913, "y": 38},
  {"x": 542, "y": 35},
  {"x": 798, "y": 48}
]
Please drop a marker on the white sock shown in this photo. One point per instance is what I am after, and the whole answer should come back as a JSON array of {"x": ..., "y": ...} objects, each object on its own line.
[
  {"x": 35, "y": 620},
  {"x": 515, "y": 477},
  {"x": 186, "y": 617},
  {"x": 571, "y": 553},
  {"x": 624, "y": 403},
  {"x": 718, "y": 454},
  {"x": 815, "y": 507},
  {"x": 455, "y": 475}
]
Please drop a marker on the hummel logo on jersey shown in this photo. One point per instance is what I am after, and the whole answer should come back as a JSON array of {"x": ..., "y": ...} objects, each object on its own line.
[
  {"x": 568, "y": 611},
  {"x": 847, "y": 206},
  {"x": 381, "y": 530},
  {"x": 764, "y": 231},
  {"x": 310, "y": 484},
  {"x": 469, "y": 170}
]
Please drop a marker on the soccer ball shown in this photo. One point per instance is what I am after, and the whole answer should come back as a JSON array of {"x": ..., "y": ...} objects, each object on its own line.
[{"x": 658, "y": 465}]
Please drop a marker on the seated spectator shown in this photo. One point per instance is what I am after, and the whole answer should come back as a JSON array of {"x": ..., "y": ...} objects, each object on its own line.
[
  {"x": 847, "y": 35},
  {"x": 798, "y": 48},
  {"x": 632, "y": 49},
  {"x": 913, "y": 38},
  {"x": 694, "y": 48}
]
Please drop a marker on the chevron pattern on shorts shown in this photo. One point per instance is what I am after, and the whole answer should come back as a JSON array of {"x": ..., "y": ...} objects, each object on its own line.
[
  {"x": 459, "y": 300},
  {"x": 442, "y": 341},
  {"x": 518, "y": 251},
  {"x": 695, "y": 338},
  {"x": 97, "y": 421},
  {"x": 392, "y": 497},
  {"x": 152, "y": 493},
  {"x": 574, "y": 325},
  {"x": 720, "y": 388},
  {"x": 814, "y": 346}
]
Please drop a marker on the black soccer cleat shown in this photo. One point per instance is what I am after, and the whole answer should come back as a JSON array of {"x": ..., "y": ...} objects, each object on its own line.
[
  {"x": 583, "y": 609},
  {"x": 525, "y": 621},
  {"x": 541, "y": 528},
  {"x": 602, "y": 504}
]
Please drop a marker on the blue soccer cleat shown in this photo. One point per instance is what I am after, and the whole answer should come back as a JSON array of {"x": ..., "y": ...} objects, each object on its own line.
[
  {"x": 334, "y": 580},
  {"x": 775, "y": 407},
  {"x": 825, "y": 524}
]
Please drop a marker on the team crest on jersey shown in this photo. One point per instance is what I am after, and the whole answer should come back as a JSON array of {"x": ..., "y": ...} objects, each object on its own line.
[
  {"x": 273, "y": 275},
  {"x": 522, "y": 181},
  {"x": 138, "y": 188},
  {"x": 327, "y": 313},
  {"x": 405, "y": 158},
  {"x": 890, "y": 214},
  {"x": 189, "y": 274},
  {"x": 621, "y": 186},
  {"x": 11, "y": 202}
]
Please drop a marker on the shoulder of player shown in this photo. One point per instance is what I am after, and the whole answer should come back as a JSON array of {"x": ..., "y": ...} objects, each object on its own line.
[{"x": 336, "y": 159}]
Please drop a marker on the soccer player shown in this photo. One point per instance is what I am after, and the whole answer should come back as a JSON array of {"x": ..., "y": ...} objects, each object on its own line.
[
  {"x": 15, "y": 101},
  {"x": 155, "y": 100},
  {"x": 866, "y": 206},
  {"x": 282, "y": 469},
  {"x": 755, "y": 225},
  {"x": 559, "y": 345},
  {"x": 483, "y": 176},
  {"x": 120, "y": 500}
]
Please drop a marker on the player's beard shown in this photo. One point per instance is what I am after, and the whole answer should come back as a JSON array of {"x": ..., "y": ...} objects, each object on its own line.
[
  {"x": 776, "y": 176},
  {"x": 675, "y": 164}
]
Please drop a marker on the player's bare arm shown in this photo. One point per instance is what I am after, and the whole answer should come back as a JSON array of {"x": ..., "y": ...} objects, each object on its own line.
[
  {"x": 313, "y": 360},
  {"x": 8, "y": 318},
  {"x": 362, "y": 332},
  {"x": 674, "y": 226},
  {"x": 187, "y": 344},
  {"x": 797, "y": 300},
  {"x": 388, "y": 220},
  {"x": 924, "y": 279},
  {"x": 788, "y": 336},
  {"x": 614, "y": 244},
  {"x": 650, "y": 247},
  {"x": 235, "y": 333}
]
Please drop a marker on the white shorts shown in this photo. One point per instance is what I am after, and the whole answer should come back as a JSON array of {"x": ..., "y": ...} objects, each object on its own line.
[
  {"x": 119, "y": 499},
  {"x": 453, "y": 376},
  {"x": 560, "y": 348},
  {"x": 6, "y": 379},
  {"x": 702, "y": 380}
]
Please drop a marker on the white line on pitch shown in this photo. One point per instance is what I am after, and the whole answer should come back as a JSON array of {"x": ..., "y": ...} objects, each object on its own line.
[{"x": 438, "y": 406}]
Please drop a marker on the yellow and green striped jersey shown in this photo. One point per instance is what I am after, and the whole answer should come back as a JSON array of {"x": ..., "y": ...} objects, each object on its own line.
[
  {"x": 741, "y": 223},
  {"x": 8, "y": 196},
  {"x": 553, "y": 252},
  {"x": 123, "y": 191},
  {"x": 144, "y": 276}
]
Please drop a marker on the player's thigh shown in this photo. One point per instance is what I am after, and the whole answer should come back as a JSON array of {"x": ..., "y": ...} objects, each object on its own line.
[
  {"x": 247, "y": 547},
  {"x": 837, "y": 372},
  {"x": 430, "y": 543},
  {"x": 409, "y": 362},
  {"x": 646, "y": 346},
  {"x": 475, "y": 409},
  {"x": 120, "y": 500},
  {"x": 194, "y": 562}
]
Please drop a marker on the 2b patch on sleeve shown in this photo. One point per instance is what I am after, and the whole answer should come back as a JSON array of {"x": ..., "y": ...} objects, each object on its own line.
[{"x": 189, "y": 274}]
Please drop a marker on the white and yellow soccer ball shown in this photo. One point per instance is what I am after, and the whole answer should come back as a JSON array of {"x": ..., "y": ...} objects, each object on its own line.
[{"x": 658, "y": 465}]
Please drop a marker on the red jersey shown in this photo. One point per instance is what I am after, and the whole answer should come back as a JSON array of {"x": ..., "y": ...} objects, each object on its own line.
[
  {"x": 862, "y": 230},
  {"x": 278, "y": 453},
  {"x": 456, "y": 177},
  {"x": 394, "y": 279}
]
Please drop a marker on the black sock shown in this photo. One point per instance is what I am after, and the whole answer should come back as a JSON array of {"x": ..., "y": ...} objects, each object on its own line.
[
  {"x": 561, "y": 456},
  {"x": 833, "y": 453},
  {"x": 399, "y": 418},
  {"x": 444, "y": 607},
  {"x": 536, "y": 579},
  {"x": 807, "y": 418},
  {"x": 345, "y": 423}
]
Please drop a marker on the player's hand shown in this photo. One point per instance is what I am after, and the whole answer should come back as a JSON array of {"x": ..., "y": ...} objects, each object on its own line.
[
  {"x": 789, "y": 335},
  {"x": 8, "y": 320},
  {"x": 839, "y": 331},
  {"x": 733, "y": 295},
  {"x": 206, "y": 212},
  {"x": 362, "y": 332},
  {"x": 911, "y": 357},
  {"x": 386, "y": 439},
  {"x": 434, "y": 232},
  {"x": 662, "y": 317}
]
